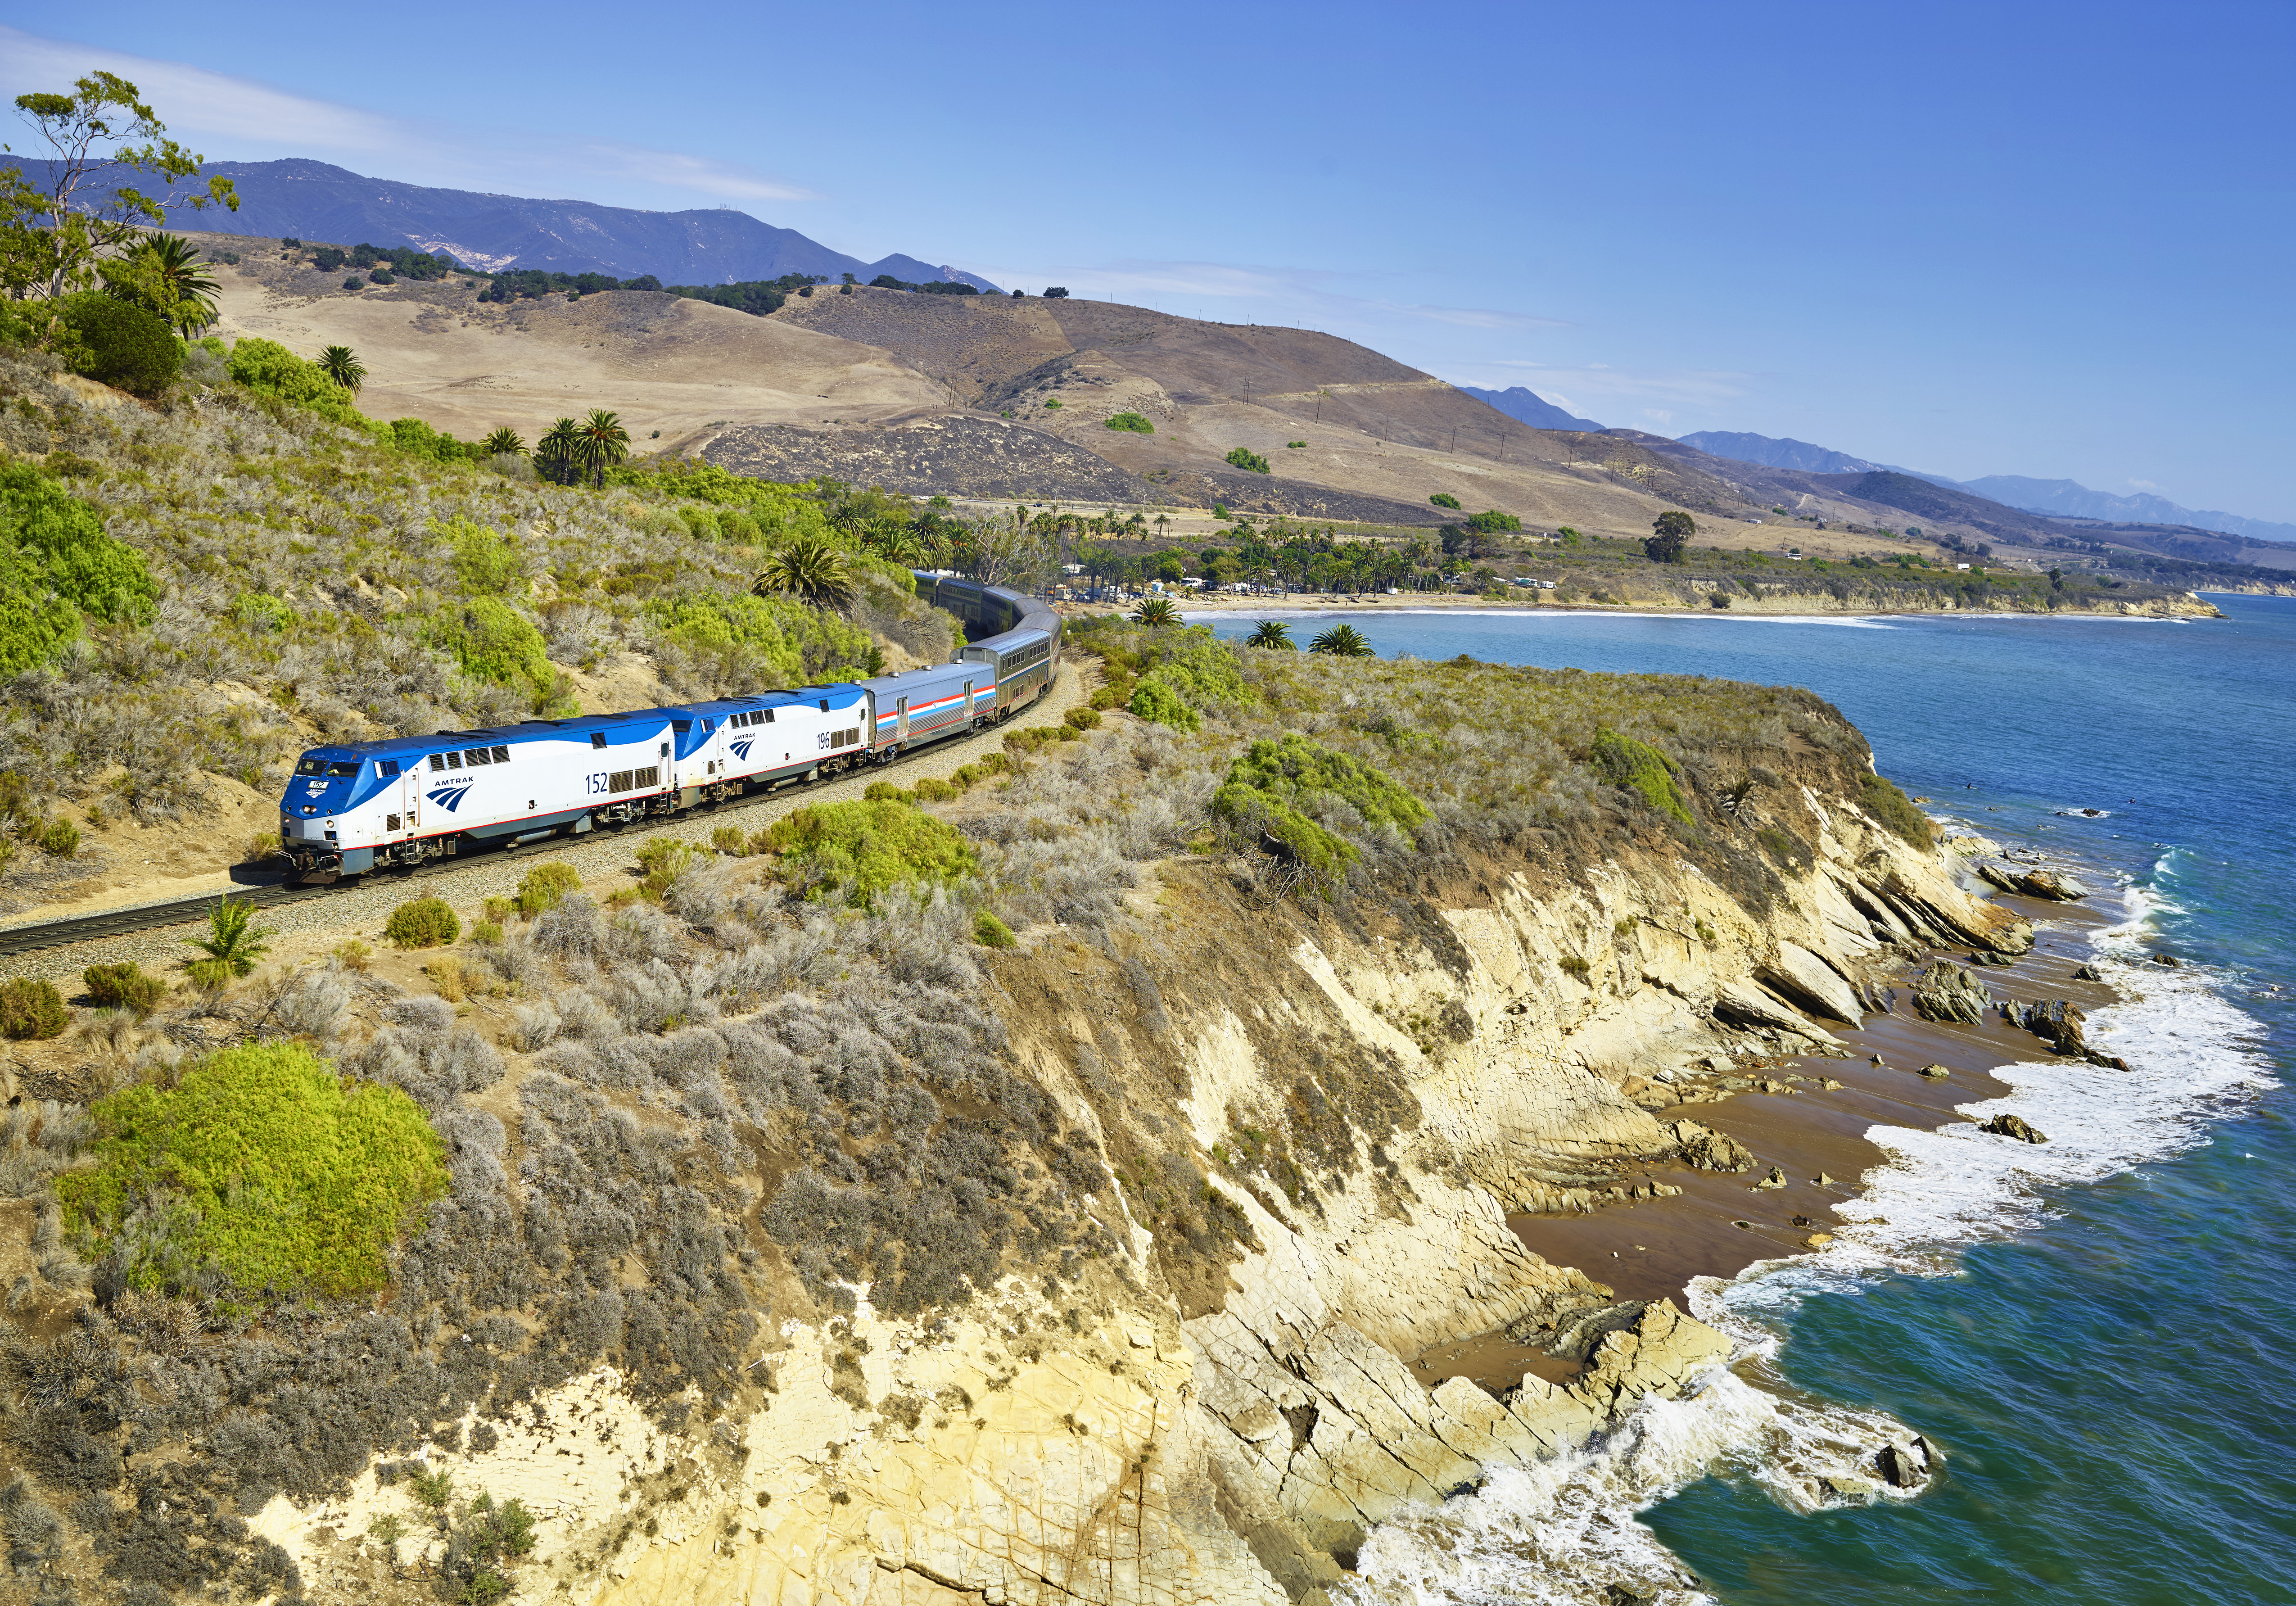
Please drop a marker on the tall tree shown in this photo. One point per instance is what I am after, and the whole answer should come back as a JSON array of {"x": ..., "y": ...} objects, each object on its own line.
[
  {"x": 605, "y": 443},
  {"x": 559, "y": 451},
  {"x": 504, "y": 442},
  {"x": 1671, "y": 532},
  {"x": 99, "y": 137},
  {"x": 165, "y": 274}
]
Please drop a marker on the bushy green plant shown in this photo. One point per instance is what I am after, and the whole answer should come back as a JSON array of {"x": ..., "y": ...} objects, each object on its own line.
[
  {"x": 31, "y": 1008},
  {"x": 1268, "y": 789},
  {"x": 929, "y": 790},
  {"x": 785, "y": 642},
  {"x": 1082, "y": 719},
  {"x": 886, "y": 791},
  {"x": 124, "y": 986},
  {"x": 731, "y": 840},
  {"x": 857, "y": 851},
  {"x": 991, "y": 933},
  {"x": 494, "y": 642},
  {"x": 1131, "y": 423},
  {"x": 129, "y": 347},
  {"x": 545, "y": 886},
  {"x": 1894, "y": 809},
  {"x": 1155, "y": 699},
  {"x": 1244, "y": 457},
  {"x": 664, "y": 859},
  {"x": 233, "y": 944},
  {"x": 56, "y": 564},
  {"x": 58, "y": 839},
  {"x": 1445, "y": 499},
  {"x": 1642, "y": 769},
  {"x": 269, "y": 369},
  {"x": 425, "y": 922},
  {"x": 1491, "y": 521},
  {"x": 478, "y": 1547},
  {"x": 261, "y": 1166}
]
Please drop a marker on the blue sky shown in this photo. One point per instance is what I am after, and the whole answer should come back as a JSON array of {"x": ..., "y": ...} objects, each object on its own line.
[{"x": 2025, "y": 238}]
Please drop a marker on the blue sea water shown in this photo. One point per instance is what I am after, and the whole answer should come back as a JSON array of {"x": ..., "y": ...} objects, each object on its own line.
[{"x": 2102, "y": 1332}]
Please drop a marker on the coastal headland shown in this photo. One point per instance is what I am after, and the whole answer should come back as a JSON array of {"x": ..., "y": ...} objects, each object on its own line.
[{"x": 1161, "y": 1256}]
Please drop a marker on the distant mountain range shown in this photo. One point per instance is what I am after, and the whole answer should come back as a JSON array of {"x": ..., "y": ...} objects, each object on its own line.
[
  {"x": 2063, "y": 497},
  {"x": 313, "y": 201},
  {"x": 1527, "y": 406}
]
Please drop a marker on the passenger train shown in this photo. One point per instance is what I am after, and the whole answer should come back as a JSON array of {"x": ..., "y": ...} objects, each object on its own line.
[{"x": 364, "y": 805}]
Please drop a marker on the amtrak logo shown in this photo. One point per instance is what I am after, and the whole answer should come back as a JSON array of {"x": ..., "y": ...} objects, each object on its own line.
[
  {"x": 741, "y": 748},
  {"x": 316, "y": 787},
  {"x": 449, "y": 797}
]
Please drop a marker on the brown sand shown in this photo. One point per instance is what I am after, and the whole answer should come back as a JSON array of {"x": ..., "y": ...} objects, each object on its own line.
[{"x": 1652, "y": 1249}]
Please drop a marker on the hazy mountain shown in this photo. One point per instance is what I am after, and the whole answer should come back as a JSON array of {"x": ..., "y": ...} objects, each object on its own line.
[
  {"x": 1529, "y": 407},
  {"x": 2064, "y": 496},
  {"x": 1774, "y": 452},
  {"x": 312, "y": 200},
  {"x": 2067, "y": 496}
]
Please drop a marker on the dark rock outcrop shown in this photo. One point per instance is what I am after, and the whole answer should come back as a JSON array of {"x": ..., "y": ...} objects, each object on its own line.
[
  {"x": 2054, "y": 885},
  {"x": 2016, "y": 1126},
  {"x": 1946, "y": 992},
  {"x": 1711, "y": 1150}
]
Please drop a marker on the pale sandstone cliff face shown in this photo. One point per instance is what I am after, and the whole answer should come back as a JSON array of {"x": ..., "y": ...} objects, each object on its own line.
[{"x": 1369, "y": 1095}]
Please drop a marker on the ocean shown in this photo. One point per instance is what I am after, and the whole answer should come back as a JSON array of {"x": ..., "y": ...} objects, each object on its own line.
[{"x": 2100, "y": 1333}]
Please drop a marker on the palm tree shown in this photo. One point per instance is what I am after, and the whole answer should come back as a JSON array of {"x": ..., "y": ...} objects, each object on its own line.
[
  {"x": 503, "y": 442},
  {"x": 895, "y": 542},
  {"x": 1158, "y": 613},
  {"x": 1273, "y": 634},
  {"x": 1341, "y": 641},
  {"x": 605, "y": 443},
  {"x": 190, "y": 289},
  {"x": 559, "y": 449},
  {"x": 1162, "y": 523},
  {"x": 340, "y": 363},
  {"x": 231, "y": 947},
  {"x": 808, "y": 568}
]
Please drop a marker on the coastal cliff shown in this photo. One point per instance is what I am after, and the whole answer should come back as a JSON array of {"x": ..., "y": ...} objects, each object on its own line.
[{"x": 1127, "y": 1313}]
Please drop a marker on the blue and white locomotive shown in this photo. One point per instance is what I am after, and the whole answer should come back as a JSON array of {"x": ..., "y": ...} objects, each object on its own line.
[{"x": 364, "y": 805}]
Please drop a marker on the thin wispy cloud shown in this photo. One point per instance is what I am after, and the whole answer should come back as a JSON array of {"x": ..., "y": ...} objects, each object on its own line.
[
  {"x": 1671, "y": 389},
  {"x": 1290, "y": 294},
  {"x": 229, "y": 118}
]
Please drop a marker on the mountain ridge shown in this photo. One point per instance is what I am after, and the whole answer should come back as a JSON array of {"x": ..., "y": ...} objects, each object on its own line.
[
  {"x": 2054, "y": 497},
  {"x": 1526, "y": 405},
  {"x": 315, "y": 201}
]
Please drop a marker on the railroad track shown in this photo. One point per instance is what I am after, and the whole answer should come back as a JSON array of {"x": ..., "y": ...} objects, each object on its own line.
[{"x": 118, "y": 923}]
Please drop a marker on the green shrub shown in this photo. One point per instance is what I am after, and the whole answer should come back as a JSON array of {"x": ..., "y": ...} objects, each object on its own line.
[
  {"x": 1894, "y": 809},
  {"x": 124, "y": 986},
  {"x": 269, "y": 369},
  {"x": 1445, "y": 499},
  {"x": 991, "y": 933},
  {"x": 488, "y": 933},
  {"x": 416, "y": 439},
  {"x": 261, "y": 1165},
  {"x": 57, "y": 564},
  {"x": 58, "y": 838},
  {"x": 967, "y": 776},
  {"x": 1575, "y": 965},
  {"x": 1082, "y": 719},
  {"x": 887, "y": 791},
  {"x": 480, "y": 1545},
  {"x": 1492, "y": 520},
  {"x": 545, "y": 886},
  {"x": 129, "y": 347},
  {"x": 494, "y": 642},
  {"x": 994, "y": 763},
  {"x": 31, "y": 1008},
  {"x": 664, "y": 859},
  {"x": 929, "y": 791},
  {"x": 232, "y": 946},
  {"x": 1155, "y": 699},
  {"x": 1263, "y": 795},
  {"x": 1244, "y": 457},
  {"x": 730, "y": 839},
  {"x": 1132, "y": 422},
  {"x": 859, "y": 850},
  {"x": 1642, "y": 769},
  {"x": 486, "y": 564},
  {"x": 427, "y": 922}
]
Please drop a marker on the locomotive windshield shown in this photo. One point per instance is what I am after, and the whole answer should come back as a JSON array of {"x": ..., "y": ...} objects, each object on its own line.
[{"x": 327, "y": 766}]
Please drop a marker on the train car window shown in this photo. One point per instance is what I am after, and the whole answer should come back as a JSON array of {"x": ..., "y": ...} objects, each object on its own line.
[
  {"x": 597, "y": 738},
  {"x": 683, "y": 728},
  {"x": 825, "y": 705},
  {"x": 478, "y": 756},
  {"x": 438, "y": 761},
  {"x": 311, "y": 766},
  {"x": 342, "y": 769},
  {"x": 768, "y": 717},
  {"x": 502, "y": 755},
  {"x": 386, "y": 768}
]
